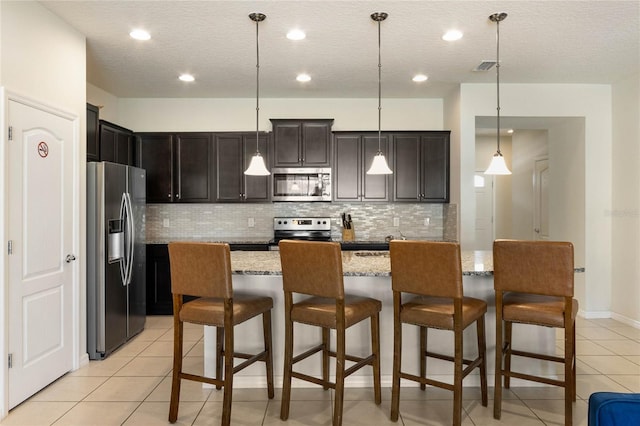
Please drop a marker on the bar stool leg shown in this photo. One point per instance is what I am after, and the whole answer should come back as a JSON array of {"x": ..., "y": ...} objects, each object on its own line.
[
  {"x": 375, "y": 346},
  {"x": 508, "y": 327},
  {"x": 457, "y": 378},
  {"x": 497, "y": 389},
  {"x": 288, "y": 357},
  {"x": 423, "y": 354},
  {"x": 266, "y": 331},
  {"x": 228, "y": 378},
  {"x": 326, "y": 346},
  {"x": 482, "y": 352},
  {"x": 177, "y": 369},
  {"x": 339, "y": 391},
  {"x": 397, "y": 359},
  {"x": 568, "y": 375},
  {"x": 219, "y": 354}
]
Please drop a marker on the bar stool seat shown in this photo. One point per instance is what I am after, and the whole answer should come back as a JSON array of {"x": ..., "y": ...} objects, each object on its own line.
[
  {"x": 438, "y": 312},
  {"x": 321, "y": 311}
]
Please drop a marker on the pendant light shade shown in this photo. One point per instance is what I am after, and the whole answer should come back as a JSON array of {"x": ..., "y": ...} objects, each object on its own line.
[
  {"x": 257, "y": 167},
  {"x": 498, "y": 165},
  {"x": 379, "y": 165}
]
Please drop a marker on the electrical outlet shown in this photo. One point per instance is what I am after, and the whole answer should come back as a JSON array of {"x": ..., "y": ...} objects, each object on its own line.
[
  {"x": 165, "y": 223},
  {"x": 251, "y": 222},
  {"x": 396, "y": 221},
  {"x": 427, "y": 221}
]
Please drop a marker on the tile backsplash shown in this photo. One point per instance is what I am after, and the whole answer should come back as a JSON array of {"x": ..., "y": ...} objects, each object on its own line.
[{"x": 372, "y": 222}]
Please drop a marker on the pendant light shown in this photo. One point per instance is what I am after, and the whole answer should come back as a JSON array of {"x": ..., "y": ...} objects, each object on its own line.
[
  {"x": 257, "y": 166},
  {"x": 379, "y": 165},
  {"x": 498, "y": 166}
]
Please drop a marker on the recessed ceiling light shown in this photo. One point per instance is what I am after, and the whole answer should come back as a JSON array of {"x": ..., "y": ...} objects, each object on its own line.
[
  {"x": 186, "y": 77},
  {"x": 296, "y": 35},
  {"x": 140, "y": 34},
  {"x": 510, "y": 131},
  {"x": 452, "y": 35},
  {"x": 303, "y": 78},
  {"x": 418, "y": 78}
]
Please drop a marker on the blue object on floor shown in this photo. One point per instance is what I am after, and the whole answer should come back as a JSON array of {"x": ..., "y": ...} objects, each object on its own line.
[{"x": 614, "y": 409}]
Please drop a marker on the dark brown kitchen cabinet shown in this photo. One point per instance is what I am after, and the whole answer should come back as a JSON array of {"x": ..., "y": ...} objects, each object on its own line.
[
  {"x": 233, "y": 155},
  {"x": 93, "y": 141},
  {"x": 354, "y": 152},
  {"x": 159, "y": 299},
  {"x": 180, "y": 166},
  {"x": 116, "y": 143},
  {"x": 421, "y": 166},
  {"x": 302, "y": 143}
]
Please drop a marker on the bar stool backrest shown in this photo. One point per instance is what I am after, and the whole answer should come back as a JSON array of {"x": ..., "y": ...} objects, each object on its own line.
[
  {"x": 536, "y": 267},
  {"x": 426, "y": 267},
  {"x": 201, "y": 269},
  {"x": 312, "y": 267}
]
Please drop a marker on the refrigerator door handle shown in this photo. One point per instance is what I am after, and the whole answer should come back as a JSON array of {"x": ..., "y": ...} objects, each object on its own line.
[
  {"x": 130, "y": 237},
  {"x": 123, "y": 218}
]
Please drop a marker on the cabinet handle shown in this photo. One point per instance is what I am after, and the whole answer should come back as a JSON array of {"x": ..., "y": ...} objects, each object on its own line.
[
  {"x": 178, "y": 196},
  {"x": 169, "y": 195}
]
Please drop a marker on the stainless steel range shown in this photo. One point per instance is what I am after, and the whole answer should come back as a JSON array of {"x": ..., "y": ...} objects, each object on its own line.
[{"x": 301, "y": 228}]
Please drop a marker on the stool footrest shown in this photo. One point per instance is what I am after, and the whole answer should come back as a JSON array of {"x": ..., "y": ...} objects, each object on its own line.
[
  {"x": 262, "y": 356},
  {"x": 538, "y": 379},
  {"x": 427, "y": 381},
  {"x": 537, "y": 355}
]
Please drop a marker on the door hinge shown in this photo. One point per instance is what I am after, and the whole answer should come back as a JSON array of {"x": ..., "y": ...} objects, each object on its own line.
[
  {"x": 10, "y": 360},
  {"x": 10, "y": 133},
  {"x": 10, "y": 247}
]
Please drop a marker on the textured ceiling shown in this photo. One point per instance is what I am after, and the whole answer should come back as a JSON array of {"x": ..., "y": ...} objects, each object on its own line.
[{"x": 593, "y": 42}]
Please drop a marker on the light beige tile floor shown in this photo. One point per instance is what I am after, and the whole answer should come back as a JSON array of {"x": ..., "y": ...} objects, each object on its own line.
[{"x": 132, "y": 386}]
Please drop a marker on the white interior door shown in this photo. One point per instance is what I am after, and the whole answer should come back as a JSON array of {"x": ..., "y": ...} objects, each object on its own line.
[
  {"x": 41, "y": 260},
  {"x": 484, "y": 211},
  {"x": 541, "y": 199}
]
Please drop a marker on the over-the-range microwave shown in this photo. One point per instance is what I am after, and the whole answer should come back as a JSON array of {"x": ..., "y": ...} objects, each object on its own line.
[{"x": 301, "y": 184}]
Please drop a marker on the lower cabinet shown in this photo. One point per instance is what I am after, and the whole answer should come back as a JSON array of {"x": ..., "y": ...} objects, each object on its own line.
[{"x": 159, "y": 298}]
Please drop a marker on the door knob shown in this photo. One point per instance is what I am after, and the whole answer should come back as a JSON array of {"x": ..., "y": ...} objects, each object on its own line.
[{"x": 70, "y": 258}]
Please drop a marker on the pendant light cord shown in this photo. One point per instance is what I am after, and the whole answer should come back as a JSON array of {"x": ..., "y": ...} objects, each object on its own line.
[
  {"x": 257, "y": 86},
  {"x": 498, "y": 79},
  {"x": 379, "y": 92}
]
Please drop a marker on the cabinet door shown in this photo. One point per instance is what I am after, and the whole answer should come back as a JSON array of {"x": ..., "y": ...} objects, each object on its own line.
[
  {"x": 194, "y": 168},
  {"x": 316, "y": 144},
  {"x": 256, "y": 188},
  {"x": 154, "y": 153},
  {"x": 374, "y": 187},
  {"x": 229, "y": 167},
  {"x": 93, "y": 137},
  {"x": 116, "y": 143},
  {"x": 435, "y": 168},
  {"x": 347, "y": 168},
  {"x": 159, "y": 299},
  {"x": 406, "y": 167},
  {"x": 286, "y": 144}
]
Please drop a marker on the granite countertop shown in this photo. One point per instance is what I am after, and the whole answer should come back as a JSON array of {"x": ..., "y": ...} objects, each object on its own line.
[{"x": 354, "y": 263}]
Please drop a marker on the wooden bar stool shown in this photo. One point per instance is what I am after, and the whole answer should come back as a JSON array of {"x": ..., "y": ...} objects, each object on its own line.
[
  {"x": 432, "y": 273},
  {"x": 315, "y": 269},
  {"x": 204, "y": 270},
  {"x": 533, "y": 281}
]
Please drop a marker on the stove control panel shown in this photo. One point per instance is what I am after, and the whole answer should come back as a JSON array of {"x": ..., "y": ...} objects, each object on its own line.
[{"x": 301, "y": 223}]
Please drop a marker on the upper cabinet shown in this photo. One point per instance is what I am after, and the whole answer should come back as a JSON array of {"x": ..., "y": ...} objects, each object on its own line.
[
  {"x": 354, "y": 152},
  {"x": 233, "y": 155},
  {"x": 116, "y": 143},
  {"x": 302, "y": 143},
  {"x": 93, "y": 141},
  {"x": 421, "y": 166},
  {"x": 180, "y": 166}
]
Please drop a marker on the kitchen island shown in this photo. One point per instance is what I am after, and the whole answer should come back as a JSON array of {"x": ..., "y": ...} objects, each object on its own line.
[{"x": 367, "y": 273}]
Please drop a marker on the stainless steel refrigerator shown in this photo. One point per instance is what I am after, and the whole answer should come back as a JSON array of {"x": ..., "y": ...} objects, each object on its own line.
[{"x": 116, "y": 287}]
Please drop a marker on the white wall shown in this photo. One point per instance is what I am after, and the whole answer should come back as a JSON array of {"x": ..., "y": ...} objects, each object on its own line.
[
  {"x": 451, "y": 106},
  {"x": 553, "y": 100},
  {"x": 44, "y": 59},
  {"x": 104, "y": 100},
  {"x": 625, "y": 211},
  {"x": 240, "y": 114}
]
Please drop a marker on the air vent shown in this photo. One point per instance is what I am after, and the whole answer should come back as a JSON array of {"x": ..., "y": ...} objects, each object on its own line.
[{"x": 485, "y": 65}]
